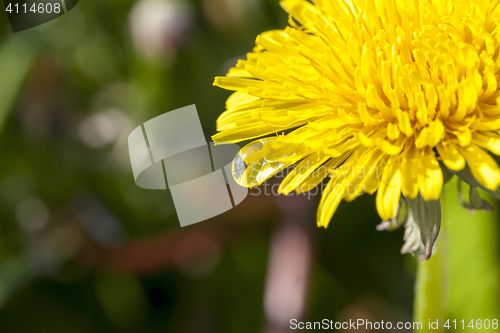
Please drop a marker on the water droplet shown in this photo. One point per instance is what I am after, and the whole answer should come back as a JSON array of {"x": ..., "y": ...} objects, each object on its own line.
[{"x": 259, "y": 160}]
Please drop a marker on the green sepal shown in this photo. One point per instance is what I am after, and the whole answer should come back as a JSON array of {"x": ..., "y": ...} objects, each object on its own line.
[
  {"x": 466, "y": 176},
  {"x": 447, "y": 174},
  {"x": 427, "y": 215},
  {"x": 476, "y": 202}
]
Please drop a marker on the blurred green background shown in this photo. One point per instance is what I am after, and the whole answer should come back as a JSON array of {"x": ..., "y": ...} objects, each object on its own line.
[{"x": 83, "y": 249}]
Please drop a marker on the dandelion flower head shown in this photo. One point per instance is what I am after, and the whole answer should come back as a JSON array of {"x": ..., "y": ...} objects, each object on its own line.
[{"x": 398, "y": 88}]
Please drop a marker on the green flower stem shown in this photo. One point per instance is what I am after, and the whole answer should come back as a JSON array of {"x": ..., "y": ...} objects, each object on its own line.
[
  {"x": 432, "y": 283},
  {"x": 461, "y": 281}
]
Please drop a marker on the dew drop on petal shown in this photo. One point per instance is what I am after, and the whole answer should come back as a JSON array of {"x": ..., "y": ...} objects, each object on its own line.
[{"x": 260, "y": 160}]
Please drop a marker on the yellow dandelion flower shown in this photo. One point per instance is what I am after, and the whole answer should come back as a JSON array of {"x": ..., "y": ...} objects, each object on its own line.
[{"x": 390, "y": 87}]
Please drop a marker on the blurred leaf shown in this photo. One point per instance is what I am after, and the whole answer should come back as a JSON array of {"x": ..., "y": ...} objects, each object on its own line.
[
  {"x": 17, "y": 56},
  {"x": 14, "y": 272}
]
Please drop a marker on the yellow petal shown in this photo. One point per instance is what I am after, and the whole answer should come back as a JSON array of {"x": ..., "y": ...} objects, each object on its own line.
[
  {"x": 409, "y": 167},
  {"x": 482, "y": 165},
  {"x": 430, "y": 176},
  {"x": 389, "y": 192},
  {"x": 301, "y": 172},
  {"x": 450, "y": 156},
  {"x": 488, "y": 140},
  {"x": 330, "y": 200}
]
